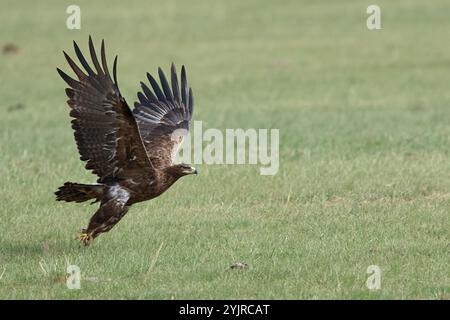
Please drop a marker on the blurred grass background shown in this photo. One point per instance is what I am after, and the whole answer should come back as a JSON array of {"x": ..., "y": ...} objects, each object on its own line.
[{"x": 364, "y": 173}]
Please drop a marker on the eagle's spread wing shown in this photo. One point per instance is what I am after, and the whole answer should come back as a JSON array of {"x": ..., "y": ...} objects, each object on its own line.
[
  {"x": 106, "y": 132},
  {"x": 163, "y": 116}
]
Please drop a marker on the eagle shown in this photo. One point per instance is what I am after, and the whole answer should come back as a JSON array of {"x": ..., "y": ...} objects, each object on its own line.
[{"x": 131, "y": 151}]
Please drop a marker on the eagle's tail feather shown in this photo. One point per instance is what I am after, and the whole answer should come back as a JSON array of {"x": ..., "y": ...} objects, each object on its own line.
[{"x": 79, "y": 192}]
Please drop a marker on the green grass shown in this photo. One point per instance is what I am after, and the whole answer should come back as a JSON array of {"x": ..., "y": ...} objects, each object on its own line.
[{"x": 364, "y": 179}]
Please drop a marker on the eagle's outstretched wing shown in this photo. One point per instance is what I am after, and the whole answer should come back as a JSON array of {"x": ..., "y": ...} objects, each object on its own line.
[
  {"x": 163, "y": 116},
  {"x": 106, "y": 132}
]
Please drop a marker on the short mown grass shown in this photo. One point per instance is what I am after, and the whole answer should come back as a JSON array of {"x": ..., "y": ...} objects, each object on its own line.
[{"x": 364, "y": 178}]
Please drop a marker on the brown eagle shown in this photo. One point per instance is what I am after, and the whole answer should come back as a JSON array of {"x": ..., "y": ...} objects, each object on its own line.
[{"x": 131, "y": 152}]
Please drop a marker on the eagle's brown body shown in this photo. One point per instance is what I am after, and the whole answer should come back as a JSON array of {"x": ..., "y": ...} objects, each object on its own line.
[{"x": 130, "y": 151}]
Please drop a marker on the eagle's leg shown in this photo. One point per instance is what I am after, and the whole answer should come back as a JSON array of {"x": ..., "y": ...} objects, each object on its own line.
[{"x": 106, "y": 217}]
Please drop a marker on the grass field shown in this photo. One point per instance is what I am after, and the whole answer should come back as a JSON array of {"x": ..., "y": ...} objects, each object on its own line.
[{"x": 364, "y": 179}]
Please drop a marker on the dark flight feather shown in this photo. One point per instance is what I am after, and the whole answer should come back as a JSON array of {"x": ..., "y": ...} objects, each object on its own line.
[
  {"x": 174, "y": 79},
  {"x": 94, "y": 57},
  {"x": 104, "y": 63},
  {"x": 165, "y": 85},
  {"x": 83, "y": 60},
  {"x": 156, "y": 89}
]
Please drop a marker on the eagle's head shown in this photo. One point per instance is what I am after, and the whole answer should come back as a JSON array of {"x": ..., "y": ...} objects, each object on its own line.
[{"x": 182, "y": 169}]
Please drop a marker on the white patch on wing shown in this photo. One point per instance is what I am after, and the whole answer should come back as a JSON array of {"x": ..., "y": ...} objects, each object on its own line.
[{"x": 120, "y": 194}]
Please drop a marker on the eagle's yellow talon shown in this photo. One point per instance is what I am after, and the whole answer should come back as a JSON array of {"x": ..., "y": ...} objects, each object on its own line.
[{"x": 85, "y": 238}]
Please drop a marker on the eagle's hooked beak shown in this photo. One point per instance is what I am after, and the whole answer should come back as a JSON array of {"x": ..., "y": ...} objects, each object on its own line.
[{"x": 190, "y": 170}]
